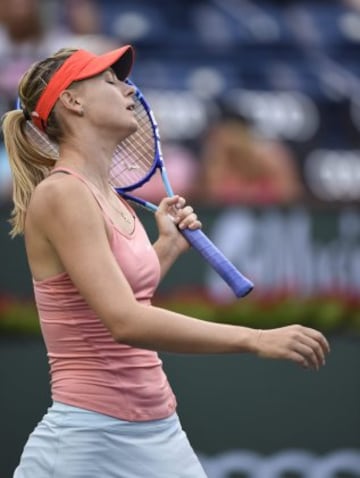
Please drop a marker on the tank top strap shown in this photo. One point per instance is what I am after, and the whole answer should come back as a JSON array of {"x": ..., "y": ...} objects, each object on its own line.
[{"x": 93, "y": 189}]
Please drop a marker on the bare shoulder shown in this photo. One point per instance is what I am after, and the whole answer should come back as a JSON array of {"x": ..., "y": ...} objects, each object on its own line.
[
  {"x": 61, "y": 196},
  {"x": 56, "y": 190}
]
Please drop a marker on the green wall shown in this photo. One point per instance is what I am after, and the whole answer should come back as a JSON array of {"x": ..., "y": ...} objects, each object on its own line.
[{"x": 225, "y": 402}]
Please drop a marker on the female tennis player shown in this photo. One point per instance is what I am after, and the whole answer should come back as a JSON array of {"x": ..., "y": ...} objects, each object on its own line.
[{"x": 94, "y": 272}]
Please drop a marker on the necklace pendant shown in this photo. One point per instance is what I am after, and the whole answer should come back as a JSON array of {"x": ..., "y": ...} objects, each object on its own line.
[{"x": 126, "y": 218}]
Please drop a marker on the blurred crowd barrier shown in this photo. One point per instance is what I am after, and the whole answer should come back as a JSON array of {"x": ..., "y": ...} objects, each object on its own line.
[{"x": 258, "y": 101}]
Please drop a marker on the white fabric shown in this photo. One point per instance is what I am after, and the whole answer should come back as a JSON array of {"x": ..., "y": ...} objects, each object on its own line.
[{"x": 75, "y": 443}]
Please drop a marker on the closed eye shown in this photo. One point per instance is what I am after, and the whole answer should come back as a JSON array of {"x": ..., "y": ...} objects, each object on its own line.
[{"x": 110, "y": 77}]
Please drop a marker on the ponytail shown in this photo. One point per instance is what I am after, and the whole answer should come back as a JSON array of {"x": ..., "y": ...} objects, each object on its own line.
[{"x": 29, "y": 166}]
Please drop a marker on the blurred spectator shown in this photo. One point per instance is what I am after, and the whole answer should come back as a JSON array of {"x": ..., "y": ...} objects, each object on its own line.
[
  {"x": 29, "y": 30},
  {"x": 352, "y": 3},
  {"x": 82, "y": 17},
  {"x": 24, "y": 38},
  {"x": 83, "y": 24},
  {"x": 238, "y": 167}
]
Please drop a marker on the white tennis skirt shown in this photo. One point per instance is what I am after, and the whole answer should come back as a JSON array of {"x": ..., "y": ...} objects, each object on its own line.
[{"x": 71, "y": 442}]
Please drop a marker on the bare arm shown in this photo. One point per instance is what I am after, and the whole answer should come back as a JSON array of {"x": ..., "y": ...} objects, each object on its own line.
[{"x": 70, "y": 219}]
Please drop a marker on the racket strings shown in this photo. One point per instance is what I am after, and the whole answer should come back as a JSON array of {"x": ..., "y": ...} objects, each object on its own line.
[
  {"x": 41, "y": 141},
  {"x": 134, "y": 157}
]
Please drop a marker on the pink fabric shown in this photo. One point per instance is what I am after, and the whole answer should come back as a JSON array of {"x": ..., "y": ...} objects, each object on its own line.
[{"x": 88, "y": 368}]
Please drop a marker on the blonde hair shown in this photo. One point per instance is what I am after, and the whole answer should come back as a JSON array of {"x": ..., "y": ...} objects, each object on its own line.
[{"x": 29, "y": 164}]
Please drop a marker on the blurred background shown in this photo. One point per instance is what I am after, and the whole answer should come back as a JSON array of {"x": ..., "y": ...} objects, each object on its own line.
[{"x": 258, "y": 104}]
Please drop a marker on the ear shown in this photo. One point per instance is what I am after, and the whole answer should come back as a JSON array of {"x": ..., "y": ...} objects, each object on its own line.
[{"x": 71, "y": 101}]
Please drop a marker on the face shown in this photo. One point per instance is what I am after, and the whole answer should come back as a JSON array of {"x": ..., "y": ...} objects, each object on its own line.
[{"x": 108, "y": 104}]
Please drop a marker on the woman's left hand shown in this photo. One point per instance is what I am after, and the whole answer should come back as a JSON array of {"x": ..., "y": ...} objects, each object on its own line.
[{"x": 173, "y": 214}]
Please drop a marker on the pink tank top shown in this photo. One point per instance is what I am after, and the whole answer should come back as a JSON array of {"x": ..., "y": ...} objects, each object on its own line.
[{"x": 88, "y": 368}]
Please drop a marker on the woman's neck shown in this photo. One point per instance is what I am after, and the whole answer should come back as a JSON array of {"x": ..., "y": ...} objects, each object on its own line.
[{"x": 91, "y": 161}]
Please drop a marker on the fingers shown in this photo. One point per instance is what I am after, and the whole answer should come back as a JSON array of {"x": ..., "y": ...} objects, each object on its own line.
[
  {"x": 297, "y": 343},
  {"x": 311, "y": 345},
  {"x": 311, "y": 357},
  {"x": 186, "y": 218},
  {"x": 168, "y": 204},
  {"x": 299, "y": 359},
  {"x": 183, "y": 215},
  {"x": 324, "y": 344},
  {"x": 316, "y": 346}
]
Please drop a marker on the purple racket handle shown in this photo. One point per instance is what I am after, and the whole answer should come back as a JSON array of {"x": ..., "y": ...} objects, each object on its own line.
[{"x": 239, "y": 284}]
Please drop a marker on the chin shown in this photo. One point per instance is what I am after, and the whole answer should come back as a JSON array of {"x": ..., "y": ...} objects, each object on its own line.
[
  {"x": 133, "y": 126},
  {"x": 128, "y": 131}
]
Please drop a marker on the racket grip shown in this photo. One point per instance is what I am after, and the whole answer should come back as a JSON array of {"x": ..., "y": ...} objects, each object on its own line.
[{"x": 239, "y": 284}]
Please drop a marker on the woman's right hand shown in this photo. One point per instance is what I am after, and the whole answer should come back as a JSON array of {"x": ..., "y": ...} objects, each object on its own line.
[{"x": 302, "y": 345}]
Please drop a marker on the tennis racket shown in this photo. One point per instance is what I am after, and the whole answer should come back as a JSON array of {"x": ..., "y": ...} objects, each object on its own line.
[{"x": 136, "y": 159}]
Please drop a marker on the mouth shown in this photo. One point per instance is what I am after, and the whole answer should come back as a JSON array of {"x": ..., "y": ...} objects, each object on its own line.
[{"x": 131, "y": 107}]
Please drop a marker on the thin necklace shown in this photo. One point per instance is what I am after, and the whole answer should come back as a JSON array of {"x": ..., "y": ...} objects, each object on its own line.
[{"x": 128, "y": 218}]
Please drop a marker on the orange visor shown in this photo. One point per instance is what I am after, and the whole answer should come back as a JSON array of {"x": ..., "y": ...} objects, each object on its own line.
[{"x": 80, "y": 65}]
